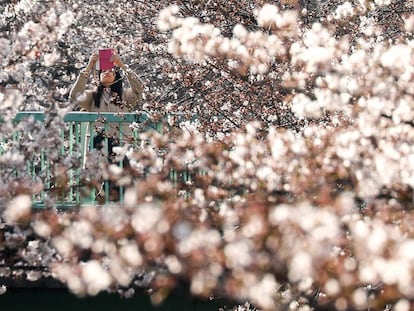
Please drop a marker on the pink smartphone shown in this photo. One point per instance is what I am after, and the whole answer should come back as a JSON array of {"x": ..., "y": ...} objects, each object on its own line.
[{"x": 104, "y": 59}]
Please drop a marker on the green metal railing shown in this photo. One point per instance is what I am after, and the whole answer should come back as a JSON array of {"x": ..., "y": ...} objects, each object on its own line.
[{"x": 76, "y": 142}]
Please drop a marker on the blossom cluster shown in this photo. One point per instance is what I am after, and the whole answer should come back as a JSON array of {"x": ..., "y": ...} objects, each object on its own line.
[{"x": 253, "y": 50}]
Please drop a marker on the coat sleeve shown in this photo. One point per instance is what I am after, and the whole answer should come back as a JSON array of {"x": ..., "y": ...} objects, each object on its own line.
[
  {"x": 78, "y": 95},
  {"x": 133, "y": 95}
]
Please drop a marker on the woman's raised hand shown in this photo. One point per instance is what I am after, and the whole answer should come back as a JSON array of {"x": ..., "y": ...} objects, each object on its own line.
[
  {"x": 92, "y": 61},
  {"x": 116, "y": 59}
]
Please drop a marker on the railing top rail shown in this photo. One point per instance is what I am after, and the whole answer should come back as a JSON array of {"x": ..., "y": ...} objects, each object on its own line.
[{"x": 88, "y": 116}]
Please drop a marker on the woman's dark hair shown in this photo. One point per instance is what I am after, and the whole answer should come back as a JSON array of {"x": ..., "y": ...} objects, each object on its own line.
[{"x": 116, "y": 88}]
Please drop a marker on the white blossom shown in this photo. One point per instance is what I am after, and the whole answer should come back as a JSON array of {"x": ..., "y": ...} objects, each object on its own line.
[
  {"x": 402, "y": 305},
  {"x": 398, "y": 57},
  {"x": 198, "y": 239},
  {"x": 344, "y": 10},
  {"x": 238, "y": 254},
  {"x": 131, "y": 254},
  {"x": 409, "y": 23},
  {"x": 300, "y": 266},
  {"x": 264, "y": 291},
  {"x": 146, "y": 217},
  {"x": 96, "y": 278},
  {"x": 3, "y": 289},
  {"x": 18, "y": 209},
  {"x": 42, "y": 229},
  {"x": 382, "y": 2}
]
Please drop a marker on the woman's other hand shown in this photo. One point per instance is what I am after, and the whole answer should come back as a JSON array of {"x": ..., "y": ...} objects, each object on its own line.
[
  {"x": 92, "y": 61},
  {"x": 116, "y": 59}
]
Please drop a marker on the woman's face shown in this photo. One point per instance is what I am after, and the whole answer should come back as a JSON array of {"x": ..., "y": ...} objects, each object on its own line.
[{"x": 107, "y": 77}]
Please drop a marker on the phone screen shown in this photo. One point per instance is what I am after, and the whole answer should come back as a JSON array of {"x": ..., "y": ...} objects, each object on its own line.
[{"x": 104, "y": 62}]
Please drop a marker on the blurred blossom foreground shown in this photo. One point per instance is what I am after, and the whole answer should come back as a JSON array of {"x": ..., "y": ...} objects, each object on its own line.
[{"x": 288, "y": 129}]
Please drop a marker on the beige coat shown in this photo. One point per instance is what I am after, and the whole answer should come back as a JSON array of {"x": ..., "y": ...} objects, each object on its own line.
[{"x": 130, "y": 97}]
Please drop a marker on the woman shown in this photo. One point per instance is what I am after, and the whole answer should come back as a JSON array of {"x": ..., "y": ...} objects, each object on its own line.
[
  {"x": 108, "y": 96},
  {"x": 110, "y": 83}
]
